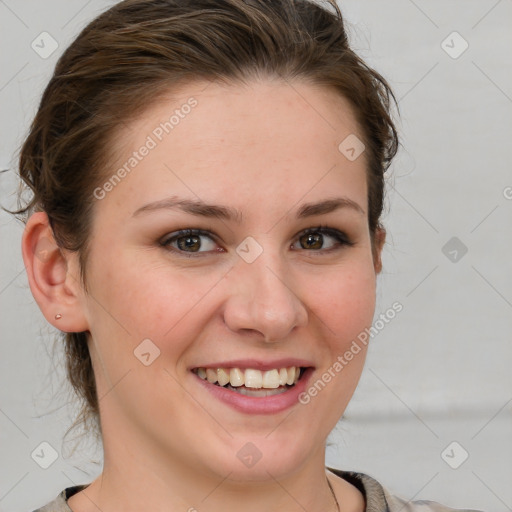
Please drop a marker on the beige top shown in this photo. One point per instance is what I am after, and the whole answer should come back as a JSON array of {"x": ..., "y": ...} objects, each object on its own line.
[{"x": 377, "y": 498}]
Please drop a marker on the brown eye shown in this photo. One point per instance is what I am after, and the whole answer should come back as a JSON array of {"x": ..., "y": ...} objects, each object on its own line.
[
  {"x": 311, "y": 241},
  {"x": 192, "y": 243},
  {"x": 323, "y": 240},
  {"x": 189, "y": 241}
]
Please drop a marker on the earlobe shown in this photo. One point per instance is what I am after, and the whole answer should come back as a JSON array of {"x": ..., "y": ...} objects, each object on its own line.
[
  {"x": 378, "y": 245},
  {"x": 52, "y": 276}
]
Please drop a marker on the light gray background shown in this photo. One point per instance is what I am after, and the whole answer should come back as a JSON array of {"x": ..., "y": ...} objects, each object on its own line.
[{"x": 440, "y": 371}]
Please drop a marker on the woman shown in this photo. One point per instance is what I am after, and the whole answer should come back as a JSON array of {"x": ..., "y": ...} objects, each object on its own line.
[{"x": 207, "y": 183}]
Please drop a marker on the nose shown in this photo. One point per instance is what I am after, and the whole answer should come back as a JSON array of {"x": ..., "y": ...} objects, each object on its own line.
[{"x": 262, "y": 301}]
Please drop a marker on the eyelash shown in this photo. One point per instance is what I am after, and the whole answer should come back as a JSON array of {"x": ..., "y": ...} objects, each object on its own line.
[{"x": 341, "y": 239}]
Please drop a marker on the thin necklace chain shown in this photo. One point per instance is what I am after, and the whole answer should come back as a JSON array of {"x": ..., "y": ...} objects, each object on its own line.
[{"x": 333, "y": 495}]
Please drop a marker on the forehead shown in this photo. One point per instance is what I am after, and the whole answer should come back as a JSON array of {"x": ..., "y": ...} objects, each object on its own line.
[{"x": 274, "y": 136}]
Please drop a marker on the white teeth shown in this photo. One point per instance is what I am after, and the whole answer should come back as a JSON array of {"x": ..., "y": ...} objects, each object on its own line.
[
  {"x": 250, "y": 378},
  {"x": 271, "y": 379},
  {"x": 291, "y": 375},
  {"x": 236, "y": 377},
  {"x": 222, "y": 376},
  {"x": 211, "y": 375},
  {"x": 253, "y": 379}
]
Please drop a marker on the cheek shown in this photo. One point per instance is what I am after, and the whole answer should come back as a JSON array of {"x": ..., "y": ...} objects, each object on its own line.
[
  {"x": 136, "y": 302},
  {"x": 344, "y": 301},
  {"x": 149, "y": 299}
]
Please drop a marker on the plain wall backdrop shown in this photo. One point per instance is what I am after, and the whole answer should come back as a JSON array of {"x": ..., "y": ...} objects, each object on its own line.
[{"x": 432, "y": 416}]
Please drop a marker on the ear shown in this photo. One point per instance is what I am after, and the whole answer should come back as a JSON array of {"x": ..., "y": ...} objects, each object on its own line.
[
  {"x": 53, "y": 276},
  {"x": 378, "y": 245}
]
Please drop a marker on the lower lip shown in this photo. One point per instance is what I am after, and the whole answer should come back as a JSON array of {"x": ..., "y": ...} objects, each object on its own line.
[{"x": 259, "y": 405}]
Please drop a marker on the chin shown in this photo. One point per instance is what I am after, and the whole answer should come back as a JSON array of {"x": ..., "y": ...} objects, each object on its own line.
[{"x": 259, "y": 458}]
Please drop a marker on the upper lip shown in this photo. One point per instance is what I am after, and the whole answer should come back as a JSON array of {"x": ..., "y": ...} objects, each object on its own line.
[{"x": 257, "y": 364}]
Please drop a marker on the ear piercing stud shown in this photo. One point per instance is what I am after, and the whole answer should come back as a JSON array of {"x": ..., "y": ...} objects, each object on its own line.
[{"x": 58, "y": 316}]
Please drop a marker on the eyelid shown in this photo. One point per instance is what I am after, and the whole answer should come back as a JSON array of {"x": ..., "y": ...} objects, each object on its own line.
[{"x": 326, "y": 230}]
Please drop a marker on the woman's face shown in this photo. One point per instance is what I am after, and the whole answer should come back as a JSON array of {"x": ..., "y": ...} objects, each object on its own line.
[{"x": 251, "y": 168}]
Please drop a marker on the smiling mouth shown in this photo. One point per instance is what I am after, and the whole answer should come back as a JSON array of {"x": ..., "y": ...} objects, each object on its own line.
[{"x": 252, "y": 382}]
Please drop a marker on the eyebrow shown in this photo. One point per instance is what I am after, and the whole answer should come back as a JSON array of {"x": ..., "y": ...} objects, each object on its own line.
[{"x": 199, "y": 208}]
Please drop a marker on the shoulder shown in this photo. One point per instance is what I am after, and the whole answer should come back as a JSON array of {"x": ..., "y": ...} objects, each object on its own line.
[
  {"x": 59, "y": 504},
  {"x": 380, "y": 499},
  {"x": 377, "y": 497}
]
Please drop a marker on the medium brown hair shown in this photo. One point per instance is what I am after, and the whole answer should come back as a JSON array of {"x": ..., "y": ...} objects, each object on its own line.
[{"x": 139, "y": 49}]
